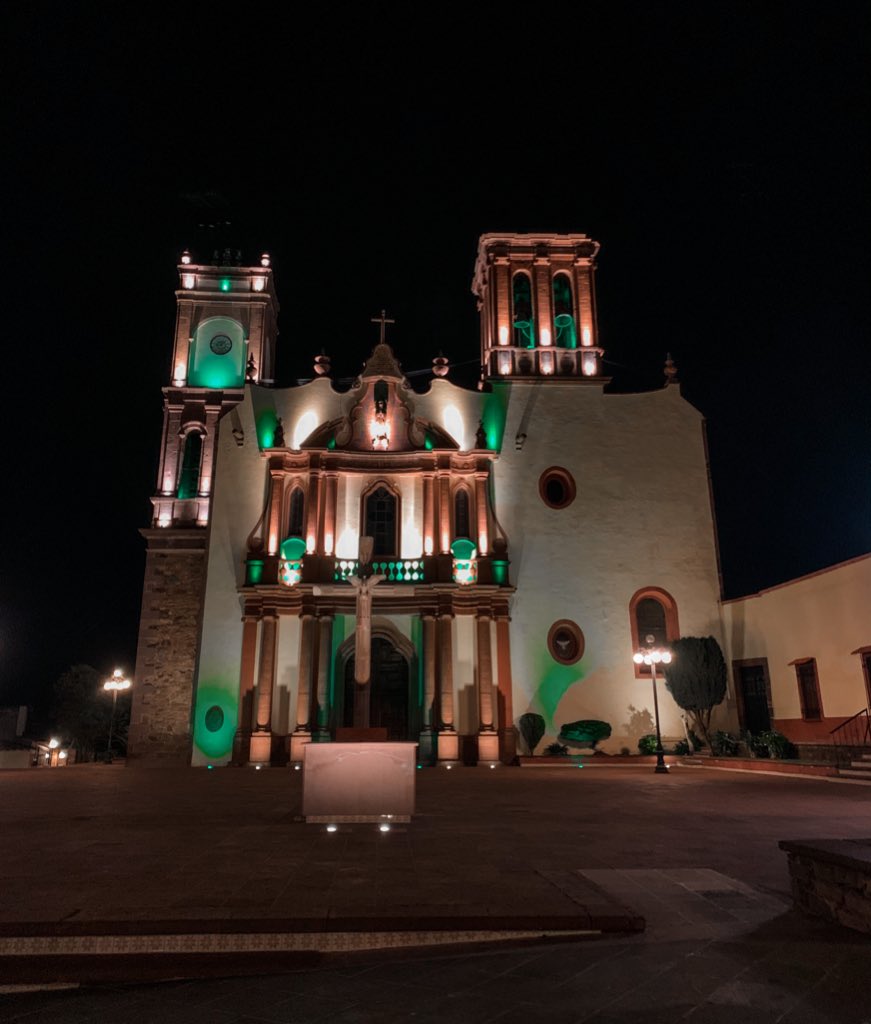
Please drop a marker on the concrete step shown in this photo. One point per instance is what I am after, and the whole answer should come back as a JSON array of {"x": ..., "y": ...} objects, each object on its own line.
[{"x": 856, "y": 773}]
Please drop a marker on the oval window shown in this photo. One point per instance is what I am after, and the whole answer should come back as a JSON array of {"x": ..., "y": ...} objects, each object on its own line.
[
  {"x": 556, "y": 487},
  {"x": 214, "y": 718},
  {"x": 565, "y": 641}
]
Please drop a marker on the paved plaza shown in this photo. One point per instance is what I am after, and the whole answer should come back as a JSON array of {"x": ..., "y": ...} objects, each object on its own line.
[{"x": 694, "y": 853}]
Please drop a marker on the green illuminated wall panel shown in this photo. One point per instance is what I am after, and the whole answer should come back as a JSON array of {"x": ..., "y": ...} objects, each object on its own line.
[
  {"x": 215, "y": 718},
  {"x": 217, "y": 357}
]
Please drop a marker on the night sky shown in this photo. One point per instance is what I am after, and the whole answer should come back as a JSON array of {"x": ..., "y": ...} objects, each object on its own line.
[{"x": 720, "y": 154}]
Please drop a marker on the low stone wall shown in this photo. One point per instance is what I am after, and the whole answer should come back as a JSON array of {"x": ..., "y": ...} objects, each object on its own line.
[{"x": 831, "y": 878}]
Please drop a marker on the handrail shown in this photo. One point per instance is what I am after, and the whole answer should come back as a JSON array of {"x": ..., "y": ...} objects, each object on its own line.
[{"x": 852, "y": 732}]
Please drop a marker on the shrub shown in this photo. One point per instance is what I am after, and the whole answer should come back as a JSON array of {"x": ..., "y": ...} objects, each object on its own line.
[
  {"x": 772, "y": 744},
  {"x": 584, "y": 733},
  {"x": 531, "y": 729},
  {"x": 696, "y": 678},
  {"x": 682, "y": 747},
  {"x": 723, "y": 744},
  {"x": 556, "y": 750},
  {"x": 647, "y": 744}
]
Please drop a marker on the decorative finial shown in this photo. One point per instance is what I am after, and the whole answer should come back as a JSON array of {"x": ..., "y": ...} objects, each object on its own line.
[
  {"x": 670, "y": 370},
  {"x": 322, "y": 364},
  {"x": 440, "y": 366},
  {"x": 481, "y": 436},
  {"x": 265, "y": 260},
  {"x": 278, "y": 435},
  {"x": 186, "y": 257}
]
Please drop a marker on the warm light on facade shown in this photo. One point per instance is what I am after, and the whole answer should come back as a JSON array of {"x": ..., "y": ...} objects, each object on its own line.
[
  {"x": 505, "y": 363},
  {"x": 258, "y": 284},
  {"x": 310, "y": 544},
  {"x": 164, "y": 519},
  {"x": 304, "y": 426},
  {"x": 189, "y": 281},
  {"x": 546, "y": 362},
  {"x": 545, "y": 336},
  {"x": 273, "y": 544},
  {"x": 428, "y": 545},
  {"x": 328, "y": 543},
  {"x": 348, "y": 543},
  {"x": 453, "y": 424},
  {"x": 186, "y": 257},
  {"x": 590, "y": 367},
  {"x": 503, "y": 335},
  {"x": 586, "y": 338},
  {"x": 180, "y": 375},
  {"x": 265, "y": 260}
]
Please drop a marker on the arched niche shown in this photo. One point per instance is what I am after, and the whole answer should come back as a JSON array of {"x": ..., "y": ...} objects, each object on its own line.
[{"x": 217, "y": 356}]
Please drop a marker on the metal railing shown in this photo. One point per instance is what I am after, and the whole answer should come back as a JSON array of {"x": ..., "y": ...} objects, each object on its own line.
[{"x": 855, "y": 732}]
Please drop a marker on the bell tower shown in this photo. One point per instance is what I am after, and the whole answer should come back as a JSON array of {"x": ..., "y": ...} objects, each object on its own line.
[
  {"x": 536, "y": 295},
  {"x": 225, "y": 333}
]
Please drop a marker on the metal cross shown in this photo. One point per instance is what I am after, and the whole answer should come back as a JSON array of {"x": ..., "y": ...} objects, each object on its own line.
[{"x": 384, "y": 320}]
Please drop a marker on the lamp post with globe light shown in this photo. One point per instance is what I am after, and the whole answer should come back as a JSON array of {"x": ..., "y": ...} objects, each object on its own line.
[
  {"x": 653, "y": 656},
  {"x": 116, "y": 683}
]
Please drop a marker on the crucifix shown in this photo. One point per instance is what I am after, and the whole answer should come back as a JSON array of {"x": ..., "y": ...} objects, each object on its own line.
[
  {"x": 364, "y": 583},
  {"x": 384, "y": 320}
]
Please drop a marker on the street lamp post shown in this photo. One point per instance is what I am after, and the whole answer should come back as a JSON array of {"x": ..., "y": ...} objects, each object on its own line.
[
  {"x": 116, "y": 683},
  {"x": 653, "y": 656}
]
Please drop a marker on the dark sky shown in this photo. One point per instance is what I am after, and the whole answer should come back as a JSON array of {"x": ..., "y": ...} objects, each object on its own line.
[{"x": 720, "y": 154}]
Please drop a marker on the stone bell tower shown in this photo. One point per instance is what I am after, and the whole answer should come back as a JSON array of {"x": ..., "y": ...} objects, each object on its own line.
[
  {"x": 224, "y": 338},
  {"x": 537, "y": 299}
]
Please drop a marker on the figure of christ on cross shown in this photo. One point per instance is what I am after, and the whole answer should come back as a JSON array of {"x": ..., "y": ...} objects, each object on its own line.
[
  {"x": 384, "y": 320},
  {"x": 364, "y": 583}
]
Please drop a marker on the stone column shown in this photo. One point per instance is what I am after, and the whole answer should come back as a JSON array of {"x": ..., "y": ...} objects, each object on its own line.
[
  {"x": 276, "y": 492},
  {"x": 302, "y": 733},
  {"x": 429, "y": 526},
  {"x": 488, "y": 741},
  {"x": 261, "y": 738},
  {"x": 542, "y": 285},
  {"x": 242, "y": 740},
  {"x": 207, "y": 460},
  {"x": 329, "y": 538},
  {"x": 444, "y": 515},
  {"x": 507, "y": 732},
  {"x": 481, "y": 509},
  {"x": 312, "y": 508},
  {"x": 427, "y": 736},
  {"x": 325, "y": 653},
  {"x": 448, "y": 741}
]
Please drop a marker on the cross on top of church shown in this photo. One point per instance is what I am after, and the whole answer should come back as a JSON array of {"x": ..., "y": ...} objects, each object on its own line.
[{"x": 384, "y": 320}]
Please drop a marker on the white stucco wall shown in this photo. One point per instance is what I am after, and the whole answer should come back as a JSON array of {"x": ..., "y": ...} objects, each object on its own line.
[
  {"x": 826, "y": 616},
  {"x": 641, "y": 518}
]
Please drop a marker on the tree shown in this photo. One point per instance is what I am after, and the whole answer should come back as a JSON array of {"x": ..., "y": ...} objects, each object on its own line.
[
  {"x": 696, "y": 678},
  {"x": 531, "y": 729},
  {"x": 81, "y": 710}
]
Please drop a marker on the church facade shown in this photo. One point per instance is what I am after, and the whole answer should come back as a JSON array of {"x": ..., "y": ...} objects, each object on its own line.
[{"x": 530, "y": 533}]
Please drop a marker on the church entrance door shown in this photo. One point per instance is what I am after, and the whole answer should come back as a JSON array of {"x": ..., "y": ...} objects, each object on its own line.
[
  {"x": 387, "y": 690},
  {"x": 755, "y": 716}
]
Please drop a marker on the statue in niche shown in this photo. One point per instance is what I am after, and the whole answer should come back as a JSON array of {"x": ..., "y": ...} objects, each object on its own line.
[{"x": 278, "y": 436}]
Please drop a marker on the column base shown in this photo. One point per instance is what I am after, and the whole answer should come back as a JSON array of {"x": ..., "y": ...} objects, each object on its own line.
[
  {"x": 448, "y": 745},
  {"x": 298, "y": 742},
  {"x": 488, "y": 746},
  {"x": 508, "y": 745},
  {"x": 260, "y": 752},
  {"x": 426, "y": 747}
]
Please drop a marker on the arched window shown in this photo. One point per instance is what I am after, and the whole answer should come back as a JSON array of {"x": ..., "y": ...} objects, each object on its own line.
[
  {"x": 189, "y": 477},
  {"x": 295, "y": 523},
  {"x": 380, "y": 520},
  {"x": 563, "y": 312},
  {"x": 652, "y": 612},
  {"x": 521, "y": 305},
  {"x": 461, "y": 514}
]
